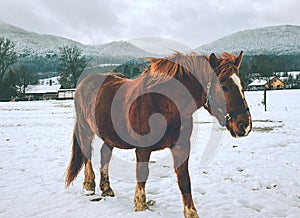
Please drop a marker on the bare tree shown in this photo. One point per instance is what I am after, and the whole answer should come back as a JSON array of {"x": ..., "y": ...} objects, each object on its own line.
[
  {"x": 24, "y": 77},
  {"x": 72, "y": 64},
  {"x": 8, "y": 56}
]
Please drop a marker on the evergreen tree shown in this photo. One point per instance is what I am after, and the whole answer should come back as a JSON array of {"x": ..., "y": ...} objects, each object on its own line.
[
  {"x": 135, "y": 72},
  {"x": 126, "y": 71}
]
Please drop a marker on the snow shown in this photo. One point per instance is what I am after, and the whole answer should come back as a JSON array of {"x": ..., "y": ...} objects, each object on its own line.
[{"x": 256, "y": 176}]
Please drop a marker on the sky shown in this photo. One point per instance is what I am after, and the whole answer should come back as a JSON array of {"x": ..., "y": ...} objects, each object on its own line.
[{"x": 191, "y": 22}]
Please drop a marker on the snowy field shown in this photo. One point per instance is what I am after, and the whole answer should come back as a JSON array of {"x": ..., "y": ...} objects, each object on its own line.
[{"x": 256, "y": 176}]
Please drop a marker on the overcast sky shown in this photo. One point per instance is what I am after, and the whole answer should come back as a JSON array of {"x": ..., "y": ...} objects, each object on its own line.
[{"x": 192, "y": 22}]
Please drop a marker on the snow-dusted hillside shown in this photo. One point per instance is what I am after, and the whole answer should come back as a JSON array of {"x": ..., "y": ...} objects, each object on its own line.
[
  {"x": 279, "y": 40},
  {"x": 32, "y": 43},
  {"x": 117, "y": 48}
]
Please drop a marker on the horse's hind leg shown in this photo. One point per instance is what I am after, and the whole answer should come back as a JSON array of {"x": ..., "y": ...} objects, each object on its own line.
[
  {"x": 142, "y": 172},
  {"x": 89, "y": 179},
  {"x": 86, "y": 137},
  {"x": 106, "y": 153}
]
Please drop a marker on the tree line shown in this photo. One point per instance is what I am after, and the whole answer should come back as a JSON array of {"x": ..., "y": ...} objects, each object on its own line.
[
  {"x": 17, "y": 71},
  {"x": 262, "y": 66},
  {"x": 265, "y": 66}
]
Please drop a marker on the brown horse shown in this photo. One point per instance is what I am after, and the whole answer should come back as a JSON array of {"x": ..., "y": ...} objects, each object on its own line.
[{"x": 154, "y": 112}]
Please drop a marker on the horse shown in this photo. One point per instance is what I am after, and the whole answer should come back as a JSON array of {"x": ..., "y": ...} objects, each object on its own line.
[{"x": 154, "y": 112}]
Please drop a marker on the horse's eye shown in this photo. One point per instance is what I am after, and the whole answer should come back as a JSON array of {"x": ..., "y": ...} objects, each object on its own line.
[{"x": 225, "y": 88}]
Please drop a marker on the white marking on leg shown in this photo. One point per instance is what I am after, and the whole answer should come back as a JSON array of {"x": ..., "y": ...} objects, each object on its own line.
[
  {"x": 140, "y": 199},
  {"x": 104, "y": 169}
]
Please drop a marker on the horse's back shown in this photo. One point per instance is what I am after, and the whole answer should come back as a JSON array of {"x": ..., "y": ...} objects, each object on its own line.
[{"x": 90, "y": 96}]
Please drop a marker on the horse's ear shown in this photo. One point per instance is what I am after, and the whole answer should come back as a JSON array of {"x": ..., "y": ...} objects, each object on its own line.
[
  {"x": 238, "y": 60},
  {"x": 213, "y": 61}
]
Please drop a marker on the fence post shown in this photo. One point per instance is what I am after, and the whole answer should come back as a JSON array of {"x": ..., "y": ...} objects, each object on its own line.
[{"x": 265, "y": 98}]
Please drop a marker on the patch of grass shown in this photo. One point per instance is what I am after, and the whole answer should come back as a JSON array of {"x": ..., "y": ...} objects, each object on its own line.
[
  {"x": 265, "y": 129},
  {"x": 197, "y": 122},
  {"x": 267, "y": 121},
  {"x": 64, "y": 105}
]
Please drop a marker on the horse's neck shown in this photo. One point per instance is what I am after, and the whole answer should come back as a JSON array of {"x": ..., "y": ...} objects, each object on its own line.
[{"x": 196, "y": 89}]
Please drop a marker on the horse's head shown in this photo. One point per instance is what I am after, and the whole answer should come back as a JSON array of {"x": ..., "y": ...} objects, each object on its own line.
[{"x": 225, "y": 95}]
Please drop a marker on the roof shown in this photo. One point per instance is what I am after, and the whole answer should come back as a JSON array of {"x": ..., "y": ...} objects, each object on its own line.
[
  {"x": 41, "y": 89},
  {"x": 258, "y": 82}
]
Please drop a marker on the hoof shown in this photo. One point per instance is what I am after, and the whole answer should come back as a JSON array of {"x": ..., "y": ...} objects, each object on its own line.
[
  {"x": 88, "y": 192},
  {"x": 109, "y": 192},
  {"x": 190, "y": 213},
  {"x": 141, "y": 207},
  {"x": 89, "y": 188}
]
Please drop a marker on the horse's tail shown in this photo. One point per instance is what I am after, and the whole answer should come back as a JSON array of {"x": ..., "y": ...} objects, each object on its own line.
[{"x": 77, "y": 159}]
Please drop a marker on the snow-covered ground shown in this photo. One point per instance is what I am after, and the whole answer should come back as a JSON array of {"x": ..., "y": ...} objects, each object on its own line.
[{"x": 256, "y": 176}]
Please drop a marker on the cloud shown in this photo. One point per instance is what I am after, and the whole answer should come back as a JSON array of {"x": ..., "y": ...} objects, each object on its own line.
[{"x": 190, "y": 22}]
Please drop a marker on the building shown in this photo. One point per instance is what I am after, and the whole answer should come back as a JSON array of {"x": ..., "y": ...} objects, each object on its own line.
[
  {"x": 261, "y": 83},
  {"x": 41, "y": 92},
  {"x": 291, "y": 79},
  {"x": 48, "y": 89}
]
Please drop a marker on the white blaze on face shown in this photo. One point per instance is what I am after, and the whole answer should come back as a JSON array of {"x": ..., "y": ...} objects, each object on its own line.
[
  {"x": 238, "y": 83},
  {"x": 247, "y": 130}
]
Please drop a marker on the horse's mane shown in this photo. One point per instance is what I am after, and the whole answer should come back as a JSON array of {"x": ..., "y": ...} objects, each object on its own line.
[
  {"x": 178, "y": 66},
  {"x": 226, "y": 66}
]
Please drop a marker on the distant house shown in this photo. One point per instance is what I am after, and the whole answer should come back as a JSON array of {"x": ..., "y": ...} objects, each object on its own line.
[
  {"x": 259, "y": 84},
  {"x": 275, "y": 83},
  {"x": 48, "y": 89},
  {"x": 41, "y": 92},
  {"x": 291, "y": 79}
]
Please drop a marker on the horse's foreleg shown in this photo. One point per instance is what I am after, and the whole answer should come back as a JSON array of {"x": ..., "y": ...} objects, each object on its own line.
[
  {"x": 181, "y": 157},
  {"x": 106, "y": 153},
  {"x": 142, "y": 172}
]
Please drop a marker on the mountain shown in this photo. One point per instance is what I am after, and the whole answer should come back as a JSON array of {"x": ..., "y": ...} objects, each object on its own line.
[
  {"x": 159, "y": 46},
  {"x": 117, "y": 48},
  {"x": 31, "y": 43},
  {"x": 279, "y": 40},
  {"x": 275, "y": 40}
]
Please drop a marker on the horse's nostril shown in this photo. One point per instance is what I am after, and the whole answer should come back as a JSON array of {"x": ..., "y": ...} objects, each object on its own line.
[{"x": 242, "y": 128}]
